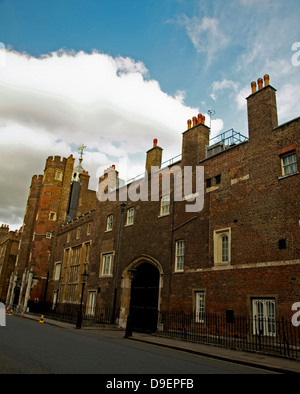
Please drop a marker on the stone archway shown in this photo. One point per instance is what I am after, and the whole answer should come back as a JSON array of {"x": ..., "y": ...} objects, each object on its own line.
[{"x": 144, "y": 293}]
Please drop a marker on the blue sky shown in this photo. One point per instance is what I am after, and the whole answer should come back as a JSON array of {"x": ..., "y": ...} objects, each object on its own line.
[{"x": 116, "y": 74}]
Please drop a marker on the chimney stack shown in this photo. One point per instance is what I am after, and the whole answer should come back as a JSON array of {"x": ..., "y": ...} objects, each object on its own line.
[
  {"x": 154, "y": 156},
  {"x": 262, "y": 109},
  {"x": 194, "y": 141}
]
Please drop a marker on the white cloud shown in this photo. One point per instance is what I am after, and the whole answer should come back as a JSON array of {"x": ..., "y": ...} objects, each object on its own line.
[
  {"x": 205, "y": 34},
  {"x": 52, "y": 104},
  {"x": 219, "y": 87},
  {"x": 288, "y": 98}
]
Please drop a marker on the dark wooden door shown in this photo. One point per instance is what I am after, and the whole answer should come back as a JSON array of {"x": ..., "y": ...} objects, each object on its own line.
[{"x": 144, "y": 298}]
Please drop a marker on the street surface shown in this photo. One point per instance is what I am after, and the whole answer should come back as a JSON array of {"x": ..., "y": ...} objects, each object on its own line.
[{"x": 29, "y": 347}]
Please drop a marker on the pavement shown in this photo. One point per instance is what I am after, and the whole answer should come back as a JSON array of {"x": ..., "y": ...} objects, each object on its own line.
[{"x": 269, "y": 363}]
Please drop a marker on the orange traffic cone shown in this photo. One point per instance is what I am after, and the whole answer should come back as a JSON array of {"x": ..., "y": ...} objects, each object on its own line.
[
  {"x": 41, "y": 319},
  {"x": 21, "y": 314}
]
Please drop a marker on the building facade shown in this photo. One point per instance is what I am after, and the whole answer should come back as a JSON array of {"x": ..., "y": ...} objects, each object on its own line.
[
  {"x": 55, "y": 197},
  {"x": 9, "y": 243},
  {"x": 229, "y": 244}
]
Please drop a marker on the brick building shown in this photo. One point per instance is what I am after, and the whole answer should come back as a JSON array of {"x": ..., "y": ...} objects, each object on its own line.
[
  {"x": 234, "y": 249},
  {"x": 239, "y": 253},
  {"x": 9, "y": 243},
  {"x": 55, "y": 197}
]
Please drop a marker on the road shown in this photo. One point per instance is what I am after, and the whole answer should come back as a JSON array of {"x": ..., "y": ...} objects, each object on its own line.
[{"x": 29, "y": 347}]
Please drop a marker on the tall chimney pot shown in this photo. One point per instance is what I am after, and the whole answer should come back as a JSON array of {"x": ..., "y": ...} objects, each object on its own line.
[
  {"x": 253, "y": 86},
  {"x": 267, "y": 80}
]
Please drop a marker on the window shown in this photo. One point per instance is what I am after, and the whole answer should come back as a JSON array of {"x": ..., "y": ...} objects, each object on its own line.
[
  {"x": 52, "y": 216},
  {"x": 165, "y": 205},
  {"x": 78, "y": 233},
  {"x": 89, "y": 226},
  {"x": 289, "y": 164},
  {"x": 208, "y": 182},
  {"x": 225, "y": 248},
  {"x": 68, "y": 237},
  {"x": 92, "y": 303},
  {"x": 87, "y": 247},
  {"x": 282, "y": 243},
  {"x": 179, "y": 256},
  {"x": 263, "y": 314},
  {"x": 222, "y": 246},
  {"x": 130, "y": 216},
  {"x": 218, "y": 179},
  {"x": 107, "y": 264},
  {"x": 57, "y": 271},
  {"x": 199, "y": 306},
  {"x": 109, "y": 223},
  {"x": 73, "y": 277},
  {"x": 58, "y": 175}
]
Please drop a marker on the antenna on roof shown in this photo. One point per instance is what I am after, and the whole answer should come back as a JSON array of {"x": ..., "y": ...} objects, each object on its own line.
[{"x": 211, "y": 113}]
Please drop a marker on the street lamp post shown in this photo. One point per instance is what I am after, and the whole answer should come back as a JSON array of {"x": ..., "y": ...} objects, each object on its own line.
[
  {"x": 79, "y": 316},
  {"x": 132, "y": 274}
]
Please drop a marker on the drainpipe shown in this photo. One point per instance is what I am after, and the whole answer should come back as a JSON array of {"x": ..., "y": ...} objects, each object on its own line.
[
  {"x": 117, "y": 265},
  {"x": 171, "y": 252}
]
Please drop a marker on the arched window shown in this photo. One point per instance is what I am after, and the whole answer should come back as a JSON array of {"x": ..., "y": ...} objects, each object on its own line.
[{"x": 222, "y": 246}]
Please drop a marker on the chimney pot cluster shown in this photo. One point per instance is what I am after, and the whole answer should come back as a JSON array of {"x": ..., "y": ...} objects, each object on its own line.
[
  {"x": 196, "y": 120},
  {"x": 260, "y": 83},
  {"x": 5, "y": 226},
  {"x": 111, "y": 168}
]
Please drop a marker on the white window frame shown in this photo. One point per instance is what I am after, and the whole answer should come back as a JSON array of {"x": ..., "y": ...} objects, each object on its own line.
[
  {"x": 289, "y": 168},
  {"x": 109, "y": 222},
  {"x": 130, "y": 217},
  {"x": 179, "y": 255},
  {"x": 199, "y": 306},
  {"x": 264, "y": 316},
  {"x": 165, "y": 205},
  {"x": 107, "y": 264},
  {"x": 222, "y": 250}
]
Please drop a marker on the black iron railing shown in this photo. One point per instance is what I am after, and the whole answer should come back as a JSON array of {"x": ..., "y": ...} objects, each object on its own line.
[
  {"x": 69, "y": 313},
  {"x": 236, "y": 332}
]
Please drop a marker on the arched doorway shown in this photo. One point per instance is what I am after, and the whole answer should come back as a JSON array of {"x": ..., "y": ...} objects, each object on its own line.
[{"x": 144, "y": 298}]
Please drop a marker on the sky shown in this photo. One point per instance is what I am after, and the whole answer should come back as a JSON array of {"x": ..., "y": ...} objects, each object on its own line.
[{"x": 115, "y": 74}]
